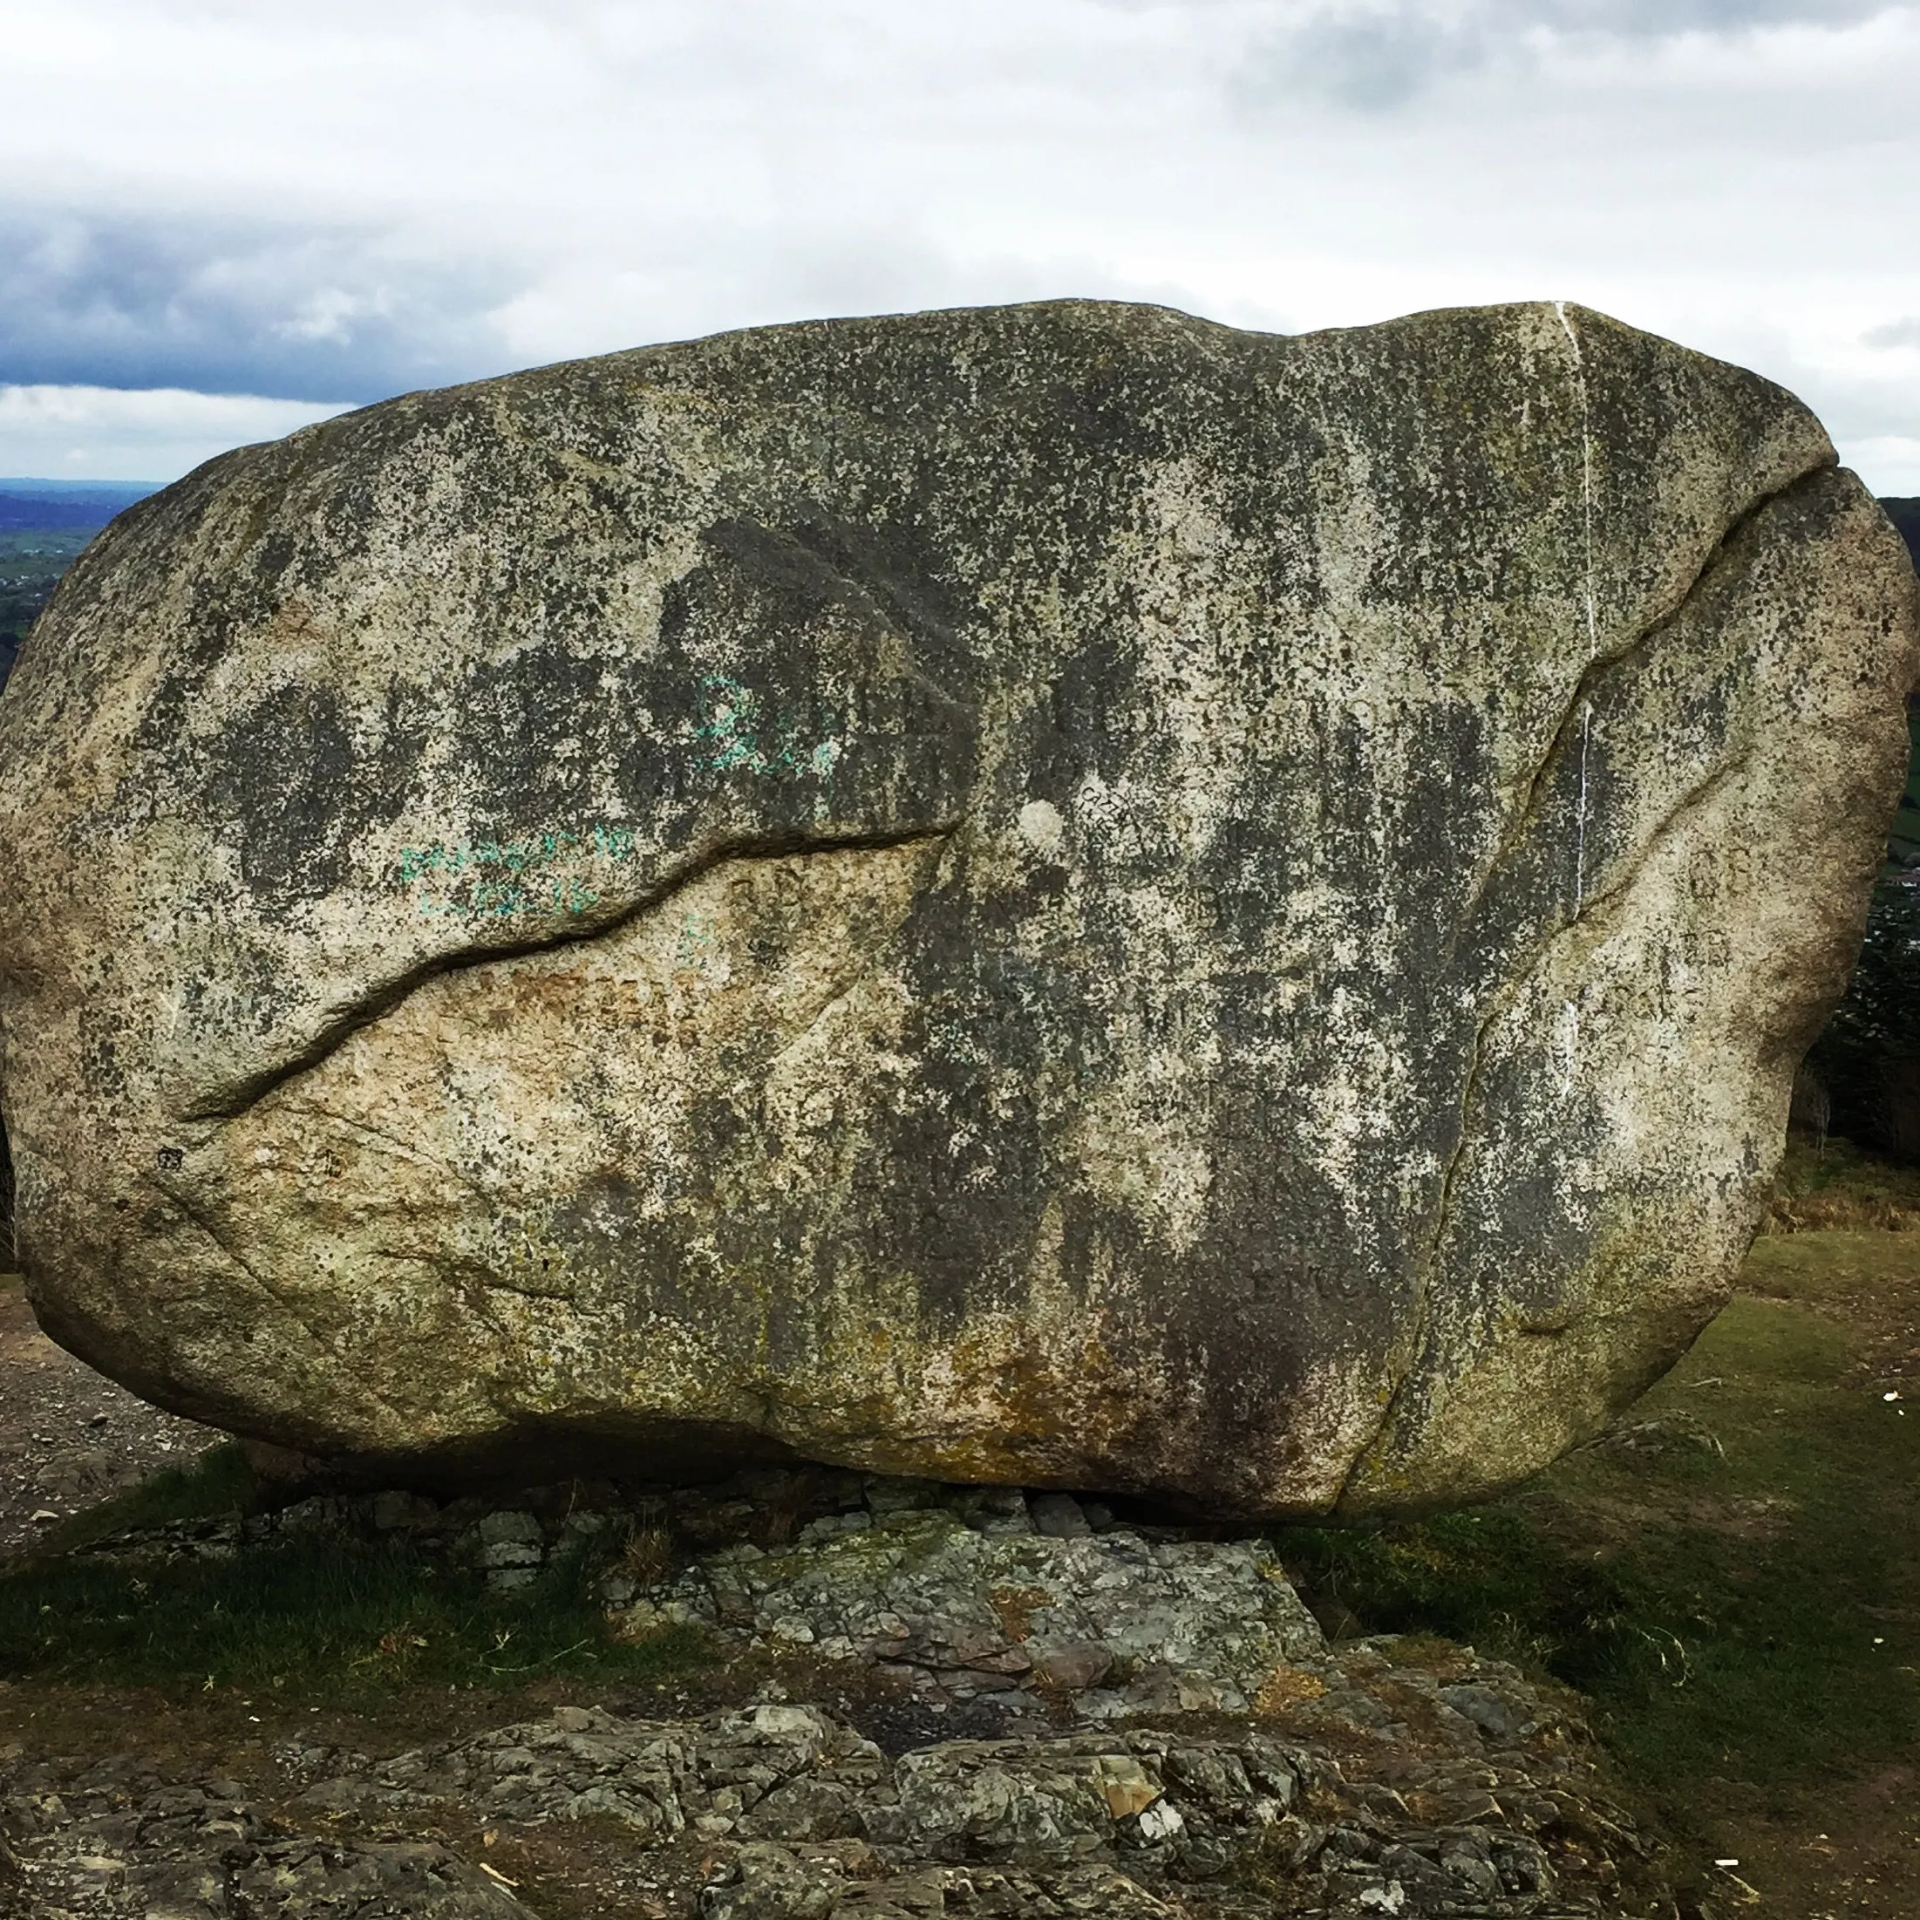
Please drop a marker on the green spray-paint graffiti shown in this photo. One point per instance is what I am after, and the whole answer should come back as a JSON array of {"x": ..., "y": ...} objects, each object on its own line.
[
  {"x": 501, "y": 879},
  {"x": 697, "y": 942},
  {"x": 504, "y": 879},
  {"x": 737, "y": 734}
]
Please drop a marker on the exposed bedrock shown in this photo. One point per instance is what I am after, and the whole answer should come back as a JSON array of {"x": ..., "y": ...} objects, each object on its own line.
[{"x": 1057, "y": 895}]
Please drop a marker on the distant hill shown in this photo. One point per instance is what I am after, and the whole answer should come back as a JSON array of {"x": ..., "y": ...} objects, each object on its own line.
[
  {"x": 1905, "y": 514},
  {"x": 35, "y": 506},
  {"x": 43, "y": 526}
]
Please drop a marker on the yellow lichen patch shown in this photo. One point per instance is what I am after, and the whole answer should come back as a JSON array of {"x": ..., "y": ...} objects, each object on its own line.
[
  {"x": 1287, "y": 1687},
  {"x": 1124, "y": 1785}
]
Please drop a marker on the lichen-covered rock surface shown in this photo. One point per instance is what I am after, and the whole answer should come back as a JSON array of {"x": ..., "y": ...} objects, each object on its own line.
[
  {"x": 1060, "y": 896},
  {"x": 775, "y": 1811},
  {"x": 923, "y": 1701},
  {"x": 1124, "y": 1624},
  {"x": 802, "y": 1818}
]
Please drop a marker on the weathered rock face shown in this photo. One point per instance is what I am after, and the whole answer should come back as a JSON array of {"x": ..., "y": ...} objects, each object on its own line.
[{"x": 1059, "y": 895}]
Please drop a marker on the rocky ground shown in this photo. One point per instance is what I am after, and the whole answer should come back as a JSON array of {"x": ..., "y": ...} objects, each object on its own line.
[
  {"x": 992, "y": 1706},
  {"x": 777, "y": 1810},
  {"x": 885, "y": 1698}
]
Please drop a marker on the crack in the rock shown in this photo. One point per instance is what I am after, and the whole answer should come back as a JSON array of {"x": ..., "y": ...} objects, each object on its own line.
[
  {"x": 1514, "y": 836},
  {"x": 1512, "y": 841},
  {"x": 1690, "y": 801},
  {"x": 1586, "y": 464},
  {"x": 468, "y": 1275},
  {"x": 381, "y": 1000},
  {"x": 1443, "y": 1220},
  {"x": 198, "y": 1216}
]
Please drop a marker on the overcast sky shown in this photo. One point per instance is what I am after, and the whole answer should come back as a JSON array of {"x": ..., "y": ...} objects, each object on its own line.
[{"x": 223, "y": 218}]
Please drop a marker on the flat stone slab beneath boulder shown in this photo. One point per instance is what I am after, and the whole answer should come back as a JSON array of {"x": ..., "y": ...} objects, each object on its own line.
[{"x": 1123, "y": 1624}]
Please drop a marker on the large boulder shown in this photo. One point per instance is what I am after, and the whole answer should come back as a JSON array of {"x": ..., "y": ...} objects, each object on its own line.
[{"x": 1059, "y": 895}]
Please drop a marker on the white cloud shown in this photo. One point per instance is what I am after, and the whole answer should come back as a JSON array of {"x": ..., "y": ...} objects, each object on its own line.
[
  {"x": 335, "y": 199},
  {"x": 102, "y": 433},
  {"x": 1889, "y": 463},
  {"x": 1904, "y": 332}
]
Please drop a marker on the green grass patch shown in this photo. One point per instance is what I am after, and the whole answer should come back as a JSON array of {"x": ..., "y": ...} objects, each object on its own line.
[
  {"x": 30, "y": 567},
  {"x": 47, "y": 551},
  {"x": 219, "y": 1481},
  {"x": 1730, "y": 1577},
  {"x": 333, "y": 1617}
]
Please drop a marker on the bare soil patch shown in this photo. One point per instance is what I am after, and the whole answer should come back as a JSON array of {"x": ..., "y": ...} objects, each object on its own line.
[{"x": 70, "y": 1438}]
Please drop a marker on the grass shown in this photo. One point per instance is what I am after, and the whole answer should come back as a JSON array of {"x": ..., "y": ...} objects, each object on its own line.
[
  {"x": 1731, "y": 1576},
  {"x": 330, "y": 1616},
  {"x": 47, "y": 551}
]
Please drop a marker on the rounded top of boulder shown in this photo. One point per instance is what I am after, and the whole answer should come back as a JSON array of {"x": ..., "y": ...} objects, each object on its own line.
[{"x": 994, "y": 893}]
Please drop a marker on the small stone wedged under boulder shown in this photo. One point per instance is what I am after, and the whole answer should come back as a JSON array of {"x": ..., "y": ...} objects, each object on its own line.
[{"x": 1059, "y": 896}]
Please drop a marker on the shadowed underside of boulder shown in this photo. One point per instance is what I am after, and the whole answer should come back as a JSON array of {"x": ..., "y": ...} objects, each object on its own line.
[{"x": 1060, "y": 894}]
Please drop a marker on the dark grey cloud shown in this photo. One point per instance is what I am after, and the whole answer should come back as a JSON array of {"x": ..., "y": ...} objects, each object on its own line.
[
  {"x": 1896, "y": 333},
  {"x": 224, "y": 307},
  {"x": 1369, "y": 60},
  {"x": 1376, "y": 54}
]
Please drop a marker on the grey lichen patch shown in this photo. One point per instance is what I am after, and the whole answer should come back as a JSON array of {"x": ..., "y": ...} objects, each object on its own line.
[{"x": 1056, "y": 895}]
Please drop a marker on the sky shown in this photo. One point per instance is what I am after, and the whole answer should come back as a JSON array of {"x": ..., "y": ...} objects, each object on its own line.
[{"x": 221, "y": 219}]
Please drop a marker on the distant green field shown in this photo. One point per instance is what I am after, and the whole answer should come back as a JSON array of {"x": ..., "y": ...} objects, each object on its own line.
[
  {"x": 30, "y": 565},
  {"x": 54, "y": 547}
]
